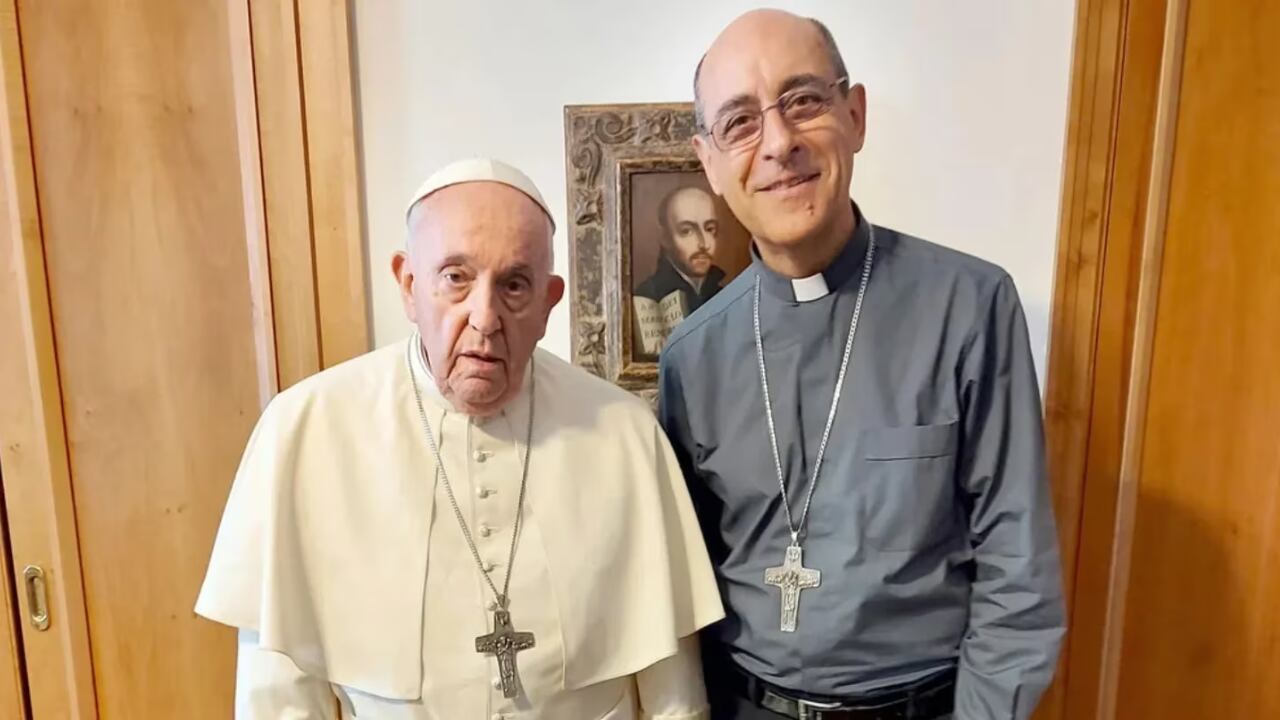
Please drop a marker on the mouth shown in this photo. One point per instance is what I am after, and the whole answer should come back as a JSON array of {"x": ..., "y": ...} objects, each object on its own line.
[
  {"x": 789, "y": 182},
  {"x": 481, "y": 358}
]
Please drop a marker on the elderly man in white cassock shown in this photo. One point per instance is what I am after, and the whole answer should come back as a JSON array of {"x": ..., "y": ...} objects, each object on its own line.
[{"x": 463, "y": 526}]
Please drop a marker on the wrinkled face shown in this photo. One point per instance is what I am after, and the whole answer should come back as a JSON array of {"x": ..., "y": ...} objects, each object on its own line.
[
  {"x": 791, "y": 183},
  {"x": 692, "y": 229},
  {"x": 477, "y": 283}
]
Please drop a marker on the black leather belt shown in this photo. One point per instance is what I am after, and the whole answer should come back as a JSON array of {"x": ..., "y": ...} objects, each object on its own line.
[{"x": 931, "y": 697}]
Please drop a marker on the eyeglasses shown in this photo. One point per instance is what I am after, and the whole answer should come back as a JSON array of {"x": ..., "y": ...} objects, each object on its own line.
[{"x": 739, "y": 128}]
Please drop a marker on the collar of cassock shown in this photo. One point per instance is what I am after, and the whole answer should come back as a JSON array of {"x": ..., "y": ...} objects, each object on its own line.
[{"x": 847, "y": 265}]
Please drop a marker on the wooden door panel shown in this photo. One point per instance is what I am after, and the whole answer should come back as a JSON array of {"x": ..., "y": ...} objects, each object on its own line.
[
  {"x": 1200, "y": 638},
  {"x": 140, "y": 174},
  {"x": 13, "y": 692}
]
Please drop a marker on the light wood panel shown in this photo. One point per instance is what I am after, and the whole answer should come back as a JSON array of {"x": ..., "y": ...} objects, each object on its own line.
[
  {"x": 286, "y": 188},
  {"x": 37, "y": 482},
  {"x": 1136, "y": 397},
  {"x": 334, "y": 176},
  {"x": 1078, "y": 276},
  {"x": 1200, "y": 637},
  {"x": 1107, "y": 173},
  {"x": 1127, "y": 192},
  {"x": 240, "y": 51},
  {"x": 13, "y": 691},
  {"x": 139, "y": 169},
  {"x": 196, "y": 245}
]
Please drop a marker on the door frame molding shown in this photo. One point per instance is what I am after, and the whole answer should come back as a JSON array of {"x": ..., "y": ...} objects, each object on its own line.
[{"x": 1116, "y": 169}]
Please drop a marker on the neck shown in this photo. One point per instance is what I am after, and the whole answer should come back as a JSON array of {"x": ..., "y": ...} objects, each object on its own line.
[
  {"x": 811, "y": 255},
  {"x": 695, "y": 282}
]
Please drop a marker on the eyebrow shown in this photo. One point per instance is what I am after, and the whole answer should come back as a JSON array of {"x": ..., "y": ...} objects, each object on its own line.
[
  {"x": 736, "y": 102},
  {"x": 802, "y": 80},
  {"x": 455, "y": 259},
  {"x": 743, "y": 100},
  {"x": 517, "y": 270}
]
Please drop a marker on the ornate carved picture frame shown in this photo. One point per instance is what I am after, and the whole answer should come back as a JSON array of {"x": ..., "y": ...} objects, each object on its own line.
[{"x": 623, "y": 165}]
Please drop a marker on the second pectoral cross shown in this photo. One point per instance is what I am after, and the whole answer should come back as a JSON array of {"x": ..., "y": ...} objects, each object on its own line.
[{"x": 790, "y": 578}]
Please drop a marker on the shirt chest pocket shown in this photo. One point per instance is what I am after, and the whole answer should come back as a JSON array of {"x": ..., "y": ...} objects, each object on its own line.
[{"x": 908, "y": 495}]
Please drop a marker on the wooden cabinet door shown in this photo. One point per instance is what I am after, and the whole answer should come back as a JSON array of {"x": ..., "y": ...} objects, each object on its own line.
[{"x": 181, "y": 239}]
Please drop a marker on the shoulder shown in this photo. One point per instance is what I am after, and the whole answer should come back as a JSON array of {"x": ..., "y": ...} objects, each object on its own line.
[
  {"x": 965, "y": 288},
  {"x": 349, "y": 385},
  {"x": 649, "y": 288},
  {"x": 930, "y": 262},
  {"x": 576, "y": 395}
]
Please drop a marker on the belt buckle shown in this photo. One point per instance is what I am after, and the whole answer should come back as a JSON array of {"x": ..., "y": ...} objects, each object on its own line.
[{"x": 808, "y": 709}]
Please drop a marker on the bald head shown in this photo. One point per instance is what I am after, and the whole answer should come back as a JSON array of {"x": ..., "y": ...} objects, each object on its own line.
[
  {"x": 748, "y": 32},
  {"x": 779, "y": 125}
]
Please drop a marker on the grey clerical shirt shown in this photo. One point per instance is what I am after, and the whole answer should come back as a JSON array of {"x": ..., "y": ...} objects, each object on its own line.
[{"x": 931, "y": 523}]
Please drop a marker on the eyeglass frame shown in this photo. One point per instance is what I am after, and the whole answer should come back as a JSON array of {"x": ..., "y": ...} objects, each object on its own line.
[{"x": 709, "y": 132}]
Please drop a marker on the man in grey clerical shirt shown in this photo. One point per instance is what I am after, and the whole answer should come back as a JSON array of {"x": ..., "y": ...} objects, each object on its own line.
[{"x": 858, "y": 418}]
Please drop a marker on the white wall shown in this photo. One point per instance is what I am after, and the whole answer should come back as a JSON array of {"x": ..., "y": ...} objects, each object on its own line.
[{"x": 966, "y": 111}]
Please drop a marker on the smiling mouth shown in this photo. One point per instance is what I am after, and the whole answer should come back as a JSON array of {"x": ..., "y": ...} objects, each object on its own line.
[{"x": 788, "y": 183}]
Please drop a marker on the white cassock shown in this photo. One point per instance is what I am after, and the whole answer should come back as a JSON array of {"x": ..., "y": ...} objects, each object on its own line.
[{"x": 342, "y": 562}]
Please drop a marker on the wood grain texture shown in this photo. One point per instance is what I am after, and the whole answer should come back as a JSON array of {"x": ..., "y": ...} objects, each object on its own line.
[
  {"x": 1150, "y": 276},
  {"x": 334, "y": 177},
  {"x": 146, "y": 235},
  {"x": 1127, "y": 193},
  {"x": 240, "y": 51},
  {"x": 37, "y": 486},
  {"x": 1104, "y": 181},
  {"x": 13, "y": 684},
  {"x": 1200, "y": 637},
  {"x": 286, "y": 189}
]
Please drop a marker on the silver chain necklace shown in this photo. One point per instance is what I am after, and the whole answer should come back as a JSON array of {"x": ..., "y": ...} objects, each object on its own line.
[
  {"x": 504, "y": 642},
  {"x": 791, "y": 577}
]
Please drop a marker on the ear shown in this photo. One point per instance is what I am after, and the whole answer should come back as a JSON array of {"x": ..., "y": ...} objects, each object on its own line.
[
  {"x": 401, "y": 268},
  {"x": 703, "y": 149},
  {"x": 855, "y": 104},
  {"x": 555, "y": 292}
]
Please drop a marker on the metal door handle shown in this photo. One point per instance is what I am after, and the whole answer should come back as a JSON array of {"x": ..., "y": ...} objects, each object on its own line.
[{"x": 37, "y": 598}]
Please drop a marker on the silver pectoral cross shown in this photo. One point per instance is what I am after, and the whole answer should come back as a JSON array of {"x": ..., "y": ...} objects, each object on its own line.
[
  {"x": 791, "y": 577},
  {"x": 503, "y": 643}
]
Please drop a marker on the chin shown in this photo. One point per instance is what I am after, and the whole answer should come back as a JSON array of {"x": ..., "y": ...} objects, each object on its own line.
[
  {"x": 478, "y": 392},
  {"x": 790, "y": 231}
]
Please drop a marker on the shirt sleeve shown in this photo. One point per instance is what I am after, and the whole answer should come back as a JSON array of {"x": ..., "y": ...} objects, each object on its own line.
[
  {"x": 673, "y": 416},
  {"x": 1016, "y": 615},
  {"x": 270, "y": 687},
  {"x": 672, "y": 688},
  {"x": 671, "y": 412}
]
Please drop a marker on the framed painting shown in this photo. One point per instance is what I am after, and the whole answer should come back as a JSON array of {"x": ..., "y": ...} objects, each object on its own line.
[{"x": 649, "y": 242}]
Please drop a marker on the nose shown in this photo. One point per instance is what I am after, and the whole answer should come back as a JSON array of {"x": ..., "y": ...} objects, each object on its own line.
[
  {"x": 777, "y": 137},
  {"x": 483, "y": 313}
]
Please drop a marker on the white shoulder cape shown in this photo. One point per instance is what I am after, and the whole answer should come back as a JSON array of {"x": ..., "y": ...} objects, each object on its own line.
[{"x": 323, "y": 545}]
